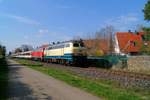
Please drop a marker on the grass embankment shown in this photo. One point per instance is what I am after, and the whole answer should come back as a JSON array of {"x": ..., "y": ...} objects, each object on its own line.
[
  {"x": 3, "y": 79},
  {"x": 96, "y": 87}
]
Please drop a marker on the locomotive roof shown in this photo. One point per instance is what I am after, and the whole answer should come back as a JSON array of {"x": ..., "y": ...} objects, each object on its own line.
[{"x": 64, "y": 42}]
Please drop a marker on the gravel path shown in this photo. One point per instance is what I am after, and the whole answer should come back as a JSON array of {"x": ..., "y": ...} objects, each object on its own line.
[{"x": 28, "y": 84}]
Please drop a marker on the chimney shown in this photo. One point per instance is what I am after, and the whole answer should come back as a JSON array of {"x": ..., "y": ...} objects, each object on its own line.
[{"x": 129, "y": 31}]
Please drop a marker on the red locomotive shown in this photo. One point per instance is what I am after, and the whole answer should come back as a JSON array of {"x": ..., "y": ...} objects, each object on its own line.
[{"x": 38, "y": 53}]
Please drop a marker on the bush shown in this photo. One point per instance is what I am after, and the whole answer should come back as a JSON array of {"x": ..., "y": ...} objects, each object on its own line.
[{"x": 3, "y": 79}]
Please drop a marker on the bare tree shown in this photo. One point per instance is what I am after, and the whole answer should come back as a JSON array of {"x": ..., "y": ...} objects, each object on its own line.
[
  {"x": 17, "y": 50},
  {"x": 26, "y": 47},
  {"x": 76, "y": 38},
  {"x": 107, "y": 33},
  {"x": 139, "y": 28},
  {"x": 100, "y": 42},
  {"x": 110, "y": 30}
]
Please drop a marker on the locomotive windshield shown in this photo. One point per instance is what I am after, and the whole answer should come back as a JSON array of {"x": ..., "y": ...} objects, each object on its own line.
[{"x": 76, "y": 45}]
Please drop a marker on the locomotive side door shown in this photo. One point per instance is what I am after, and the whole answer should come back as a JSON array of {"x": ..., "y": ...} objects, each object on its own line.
[{"x": 62, "y": 50}]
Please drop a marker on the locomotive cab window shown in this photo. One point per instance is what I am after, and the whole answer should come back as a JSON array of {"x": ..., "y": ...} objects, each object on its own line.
[
  {"x": 67, "y": 45},
  {"x": 76, "y": 45},
  {"x": 81, "y": 44},
  {"x": 49, "y": 48}
]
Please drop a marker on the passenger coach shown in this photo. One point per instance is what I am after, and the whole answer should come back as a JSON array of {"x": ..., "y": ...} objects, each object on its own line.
[{"x": 25, "y": 55}]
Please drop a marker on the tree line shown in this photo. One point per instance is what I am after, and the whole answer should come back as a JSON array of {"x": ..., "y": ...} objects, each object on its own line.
[
  {"x": 2, "y": 51},
  {"x": 146, "y": 48},
  {"x": 146, "y": 11}
]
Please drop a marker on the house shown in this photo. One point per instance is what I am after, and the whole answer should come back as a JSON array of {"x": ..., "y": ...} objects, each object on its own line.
[{"x": 128, "y": 42}]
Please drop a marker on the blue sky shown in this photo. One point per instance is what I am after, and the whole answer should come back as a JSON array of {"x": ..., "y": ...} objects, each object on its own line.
[{"x": 37, "y": 22}]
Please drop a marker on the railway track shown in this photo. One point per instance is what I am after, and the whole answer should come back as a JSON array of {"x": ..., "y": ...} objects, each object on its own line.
[
  {"x": 124, "y": 73},
  {"x": 126, "y": 79}
]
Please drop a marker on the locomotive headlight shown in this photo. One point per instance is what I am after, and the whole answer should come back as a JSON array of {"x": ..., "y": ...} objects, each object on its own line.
[{"x": 79, "y": 51}]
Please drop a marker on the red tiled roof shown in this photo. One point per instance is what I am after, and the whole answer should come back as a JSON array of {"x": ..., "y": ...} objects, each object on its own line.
[
  {"x": 129, "y": 42},
  {"x": 141, "y": 33}
]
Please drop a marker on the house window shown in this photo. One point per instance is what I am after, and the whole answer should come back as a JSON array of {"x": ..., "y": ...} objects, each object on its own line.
[
  {"x": 145, "y": 43},
  {"x": 134, "y": 43}
]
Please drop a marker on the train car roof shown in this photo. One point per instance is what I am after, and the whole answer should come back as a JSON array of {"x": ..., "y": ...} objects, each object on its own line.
[{"x": 72, "y": 41}]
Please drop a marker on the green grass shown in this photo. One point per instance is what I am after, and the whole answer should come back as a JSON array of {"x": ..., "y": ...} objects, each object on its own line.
[
  {"x": 103, "y": 89},
  {"x": 3, "y": 79}
]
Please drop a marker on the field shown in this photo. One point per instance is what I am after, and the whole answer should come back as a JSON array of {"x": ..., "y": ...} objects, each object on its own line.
[
  {"x": 108, "y": 90},
  {"x": 3, "y": 79}
]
